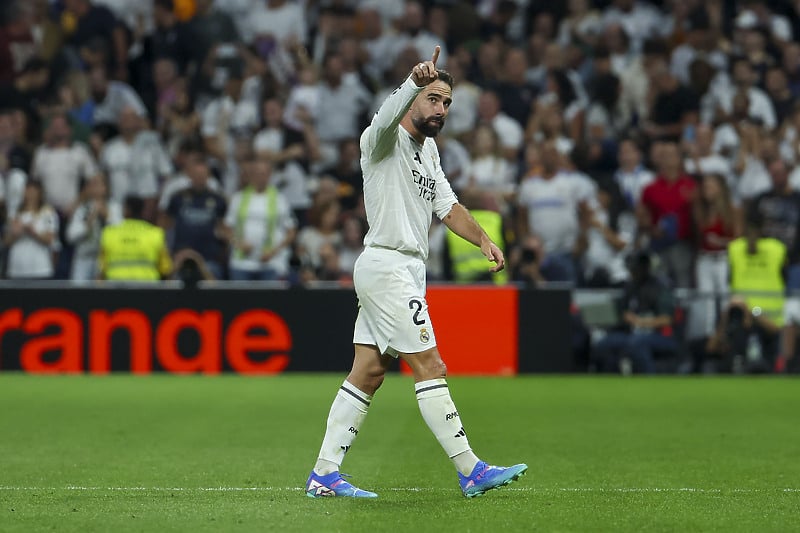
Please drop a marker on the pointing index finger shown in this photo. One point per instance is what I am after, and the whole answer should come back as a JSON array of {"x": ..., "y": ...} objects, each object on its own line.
[{"x": 435, "y": 55}]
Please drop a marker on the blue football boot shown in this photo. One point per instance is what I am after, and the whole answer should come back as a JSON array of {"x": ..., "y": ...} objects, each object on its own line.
[
  {"x": 486, "y": 477},
  {"x": 333, "y": 484}
]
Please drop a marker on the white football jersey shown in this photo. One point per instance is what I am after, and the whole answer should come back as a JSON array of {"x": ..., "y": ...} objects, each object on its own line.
[{"x": 403, "y": 180}]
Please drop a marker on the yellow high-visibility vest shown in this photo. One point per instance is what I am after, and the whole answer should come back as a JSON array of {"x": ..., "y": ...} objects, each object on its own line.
[
  {"x": 133, "y": 250},
  {"x": 758, "y": 277},
  {"x": 467, "y": 261}
]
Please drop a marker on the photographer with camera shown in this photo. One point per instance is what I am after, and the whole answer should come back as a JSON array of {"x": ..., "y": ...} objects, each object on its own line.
[{"x": 645, "y": 332}]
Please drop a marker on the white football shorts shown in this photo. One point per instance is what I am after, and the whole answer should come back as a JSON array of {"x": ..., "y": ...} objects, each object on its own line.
[{"x": 392, "y": 310}]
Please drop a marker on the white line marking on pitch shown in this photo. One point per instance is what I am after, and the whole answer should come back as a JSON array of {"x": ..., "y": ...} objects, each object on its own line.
[{"x": 399, "y": 489}]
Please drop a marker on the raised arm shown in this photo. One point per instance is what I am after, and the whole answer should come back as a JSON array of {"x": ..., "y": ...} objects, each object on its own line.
[{"x": 382, "y": 133}]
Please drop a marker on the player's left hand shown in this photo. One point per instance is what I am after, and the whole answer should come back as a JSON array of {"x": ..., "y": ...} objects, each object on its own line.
[{"x": 495, "y": 254}]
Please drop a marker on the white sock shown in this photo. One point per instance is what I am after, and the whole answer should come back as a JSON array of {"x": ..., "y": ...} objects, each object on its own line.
[
  {"x": 348, "y": 411},
  {"x": 442, "y": 417}
]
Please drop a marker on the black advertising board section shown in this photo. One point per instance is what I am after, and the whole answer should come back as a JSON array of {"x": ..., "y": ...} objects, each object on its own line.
[
  {"x": 205, "y": 331},
  {"x": 545, "y": 331},
  {"x": 254, "y": 331}
]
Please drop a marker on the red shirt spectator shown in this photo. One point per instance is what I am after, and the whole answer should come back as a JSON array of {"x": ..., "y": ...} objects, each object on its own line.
[{"x": 667, "y": 201}]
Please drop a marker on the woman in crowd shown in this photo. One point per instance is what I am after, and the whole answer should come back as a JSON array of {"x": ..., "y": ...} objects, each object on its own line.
[
  {"x": 95, "y": 211},
  {"x": 32, "y": 237}
]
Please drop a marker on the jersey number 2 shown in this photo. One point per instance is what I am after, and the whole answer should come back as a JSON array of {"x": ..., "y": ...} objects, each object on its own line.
[{"x": 411, "y": 305}]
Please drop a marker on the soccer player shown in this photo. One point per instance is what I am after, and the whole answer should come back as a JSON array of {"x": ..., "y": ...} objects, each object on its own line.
[{"x": 403, "y": 186}]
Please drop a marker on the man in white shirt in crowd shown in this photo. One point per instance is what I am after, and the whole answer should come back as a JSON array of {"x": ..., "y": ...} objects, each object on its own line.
[
  {"x": 403, "y": 186},
  {"x": 60, "y": 164},
  {"x": 260, "y": 228},
  {"x": 135, "y": 161},
  {"x": 228, "y": 121}
]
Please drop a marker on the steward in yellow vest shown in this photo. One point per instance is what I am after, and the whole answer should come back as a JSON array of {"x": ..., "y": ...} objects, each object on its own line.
[
  {"x": 467, "y": 262},
  {"x": 757, "y": 265},
  {"x": 134, "y": 249}
]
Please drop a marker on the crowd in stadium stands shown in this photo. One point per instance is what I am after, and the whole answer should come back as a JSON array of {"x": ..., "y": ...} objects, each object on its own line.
[{"x": 584, "y": 131}]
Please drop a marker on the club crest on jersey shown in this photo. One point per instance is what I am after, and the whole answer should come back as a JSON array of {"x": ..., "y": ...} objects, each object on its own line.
[{"x": 424, "y": 336}]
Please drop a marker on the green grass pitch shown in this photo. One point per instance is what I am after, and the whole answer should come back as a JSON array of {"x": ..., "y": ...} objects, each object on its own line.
[{"x": 189, "y": 453}]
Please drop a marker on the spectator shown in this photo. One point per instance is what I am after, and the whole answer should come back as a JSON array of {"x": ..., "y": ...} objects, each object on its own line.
[
  {"x": 754, "y": 148},
  {"x": 344, "y": 102},
  {"x": 135, "y": 162},
  {"x": 179, "y": 122},
  {"x": 28, "y": 91},
  {"x": 260, "y": 227},
  {"x": 489, "y": 172},
  {"x": 509, "y": 132},
  {"x": 210, "y": 27},
  {"x": 700, "y": 157},
  {"x": 744, "y": 79},
  {"x": 229, "y": 120},
  {"x": 646, "y": 311},
  {"x": 12, "y": 191},
  {"x": 96, "y": 211},
  {"x": 778, "y": 211},
  {"x": 32, "y": 237},
  {"x": 134, "y": 249},
  {"x": 275, "y": 23},
  {"x": 515, "y": 92},
  {"x": 17, "y": 44},
  {"x": 288, "y": 152},
  {"x": 354, "y": 229},
  {"x": 348, "y": 176},
  {"x": 776, "y": 84},
  {"x": 608, "y": 241},
  {"x": 462, "y": 117},
  {"x": 60, "y": 165},
  {"x": 187, "y": 154},
  {"x": 413, "y": 31},
  {"x": 75, "y": 100},
  {"x": 717, "y": 222},
  {"x": 323, "y": 229},
  {"x": 665, "y": 215},
  {"x": 632, "y": 177},
  {"x": 549, "y": 201},
  {"x": 96, "y": 23},
  {"x": 12, "y": 153},
  {"x": 641, "y": 20},
  {"x": 674, "y": 106},
  {"x": 456, "y": 160},
  {"x": 560, "y": 92},
  {"x": 582, "y": 25},
  {"x": 699, "y": 44},
  {"x": 196, "y": 215},
  {"x": 606, "y": 119},
  {"x": 171, "y": 38},
  {"x": 111, "y": 97}
]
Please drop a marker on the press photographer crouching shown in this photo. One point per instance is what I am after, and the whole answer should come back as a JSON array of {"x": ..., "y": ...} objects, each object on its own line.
[{"x": 745, "y": 341}]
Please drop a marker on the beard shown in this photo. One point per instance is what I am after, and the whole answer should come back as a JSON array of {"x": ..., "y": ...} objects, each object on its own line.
[{"x": 429, "y": 127}]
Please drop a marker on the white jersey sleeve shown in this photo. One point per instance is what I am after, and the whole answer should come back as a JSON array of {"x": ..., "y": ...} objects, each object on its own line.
[{"x": 381, "y": 135}]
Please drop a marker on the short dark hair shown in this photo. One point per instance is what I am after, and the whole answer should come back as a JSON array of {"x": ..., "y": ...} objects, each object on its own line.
[
  {"x": 445, "y": 77},
  {"x": 134, "y": 207}
]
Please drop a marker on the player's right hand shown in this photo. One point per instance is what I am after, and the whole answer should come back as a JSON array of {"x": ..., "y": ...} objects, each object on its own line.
[{"x": 425, "y": 73}]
